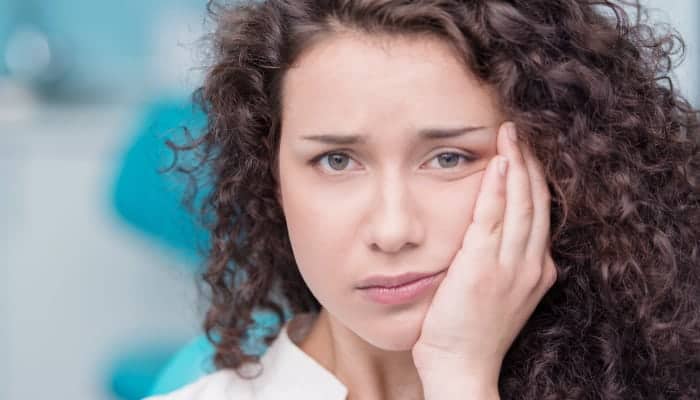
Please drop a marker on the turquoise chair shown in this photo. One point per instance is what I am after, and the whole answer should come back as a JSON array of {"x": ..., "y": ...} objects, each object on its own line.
[
  {"x": 151, "y": 203},
  {"x": 194, "y": 360},
  {"x": 190, "y": 363}
]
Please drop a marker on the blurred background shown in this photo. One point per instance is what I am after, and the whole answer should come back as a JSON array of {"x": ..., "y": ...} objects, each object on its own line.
[
  {"x": 97, "y": 284},
  {"x": 97, "y": 258}
]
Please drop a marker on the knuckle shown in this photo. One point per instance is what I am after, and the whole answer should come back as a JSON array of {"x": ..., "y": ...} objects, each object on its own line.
[
  {"x": 532, "y": 276},
  {"x": 546, "y": 196},
  {"x": 488, "y": 226},
  {"x": 550, "y": 275},
  {"x": 494, "y": 227},
  {"x": 478, "y": 282},
  {"x": 553, "y": 276}
]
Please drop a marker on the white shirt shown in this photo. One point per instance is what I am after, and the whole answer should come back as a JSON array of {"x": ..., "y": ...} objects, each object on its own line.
[{"x": 288, "y": 373}]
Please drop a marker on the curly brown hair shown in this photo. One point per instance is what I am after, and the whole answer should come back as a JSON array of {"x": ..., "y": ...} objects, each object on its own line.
[{"x": 589, "y": 89}]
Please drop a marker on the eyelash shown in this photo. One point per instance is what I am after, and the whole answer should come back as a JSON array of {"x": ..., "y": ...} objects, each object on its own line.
[{"x": 315, "y": 161}]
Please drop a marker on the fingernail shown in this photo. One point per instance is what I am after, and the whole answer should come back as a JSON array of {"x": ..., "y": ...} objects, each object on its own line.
[
  {"x": 502, "y": 166},
  {"x": 511, "y": 133}
]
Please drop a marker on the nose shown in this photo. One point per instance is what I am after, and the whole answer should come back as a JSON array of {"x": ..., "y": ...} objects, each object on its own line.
[{"x": 394, "y": 222}]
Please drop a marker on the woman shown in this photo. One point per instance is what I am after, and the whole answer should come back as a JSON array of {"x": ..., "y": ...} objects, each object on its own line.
[{"x": 455, "y": 199}]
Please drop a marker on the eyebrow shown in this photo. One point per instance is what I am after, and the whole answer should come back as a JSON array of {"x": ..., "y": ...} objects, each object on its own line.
[{"x": 425, "y": 134}]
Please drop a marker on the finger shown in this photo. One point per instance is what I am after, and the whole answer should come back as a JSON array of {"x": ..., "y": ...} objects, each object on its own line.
[
  {"x": 519, "y": 207},
  {"x": 484, "y": 233},
  {"x": 547, "y": 281},
  {"x": 541, "y": 197},
  {"x": 549, "y": 277}
]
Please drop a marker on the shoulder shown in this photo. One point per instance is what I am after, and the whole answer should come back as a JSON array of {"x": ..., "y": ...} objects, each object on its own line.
[
  {"x": 283, "y": 371},
  {"x": 222, "y": 384}
]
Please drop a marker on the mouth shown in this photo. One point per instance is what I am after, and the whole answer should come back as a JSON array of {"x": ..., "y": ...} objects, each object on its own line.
[
  {"x": 408, "y": 291},
  {"x": 381, "y": 281}
]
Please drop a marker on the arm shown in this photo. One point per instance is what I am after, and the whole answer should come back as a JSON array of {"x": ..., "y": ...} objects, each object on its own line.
[{"x": 453, "y": 383}]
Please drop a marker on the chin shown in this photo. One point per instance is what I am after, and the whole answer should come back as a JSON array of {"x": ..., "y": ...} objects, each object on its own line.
[{"x": 397, "y": 332}]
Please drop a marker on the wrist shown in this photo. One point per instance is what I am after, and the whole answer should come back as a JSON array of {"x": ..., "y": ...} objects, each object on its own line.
[
  {"x": 453, "y": 389},
  {"x": 445, "y": 382}
]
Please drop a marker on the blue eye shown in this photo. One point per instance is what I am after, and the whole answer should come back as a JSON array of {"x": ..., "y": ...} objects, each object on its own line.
[
  {"x": 334, "y": 160},
  {"x": 452, "y": 159},
  {"x": 337, "y": 161}
]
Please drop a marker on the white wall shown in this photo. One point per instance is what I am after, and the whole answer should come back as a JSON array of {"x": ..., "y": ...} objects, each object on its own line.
[
  {"x": 77, "y": 287},
  {"x": 684, "y": 16}
]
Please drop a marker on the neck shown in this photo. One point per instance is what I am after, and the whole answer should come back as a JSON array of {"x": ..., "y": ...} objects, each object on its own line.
[{"x": 367, "y": 371}]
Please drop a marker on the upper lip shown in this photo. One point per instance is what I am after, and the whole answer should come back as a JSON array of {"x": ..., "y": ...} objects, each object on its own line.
[{"x": 393, "y": 281}]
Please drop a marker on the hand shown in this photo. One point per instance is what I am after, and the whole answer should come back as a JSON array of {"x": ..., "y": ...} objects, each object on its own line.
[{"x": 496, "y": 279}]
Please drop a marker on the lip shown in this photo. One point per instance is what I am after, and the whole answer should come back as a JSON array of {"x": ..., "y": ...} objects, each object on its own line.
[
  {"x": 394, "y": 281},
  {"x": 411, "y": 289}
]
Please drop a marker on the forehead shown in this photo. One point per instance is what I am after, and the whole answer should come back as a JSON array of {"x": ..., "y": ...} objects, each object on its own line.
[{"x": 352, "y": 81}]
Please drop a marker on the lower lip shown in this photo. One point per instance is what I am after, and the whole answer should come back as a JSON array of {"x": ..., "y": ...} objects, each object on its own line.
[{"x": 402, "y": 294}]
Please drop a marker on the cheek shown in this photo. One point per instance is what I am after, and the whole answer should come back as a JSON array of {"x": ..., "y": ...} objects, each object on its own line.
[
  {"x": 319, "y": 229},
  {"x": 450, "y": 211},
  {"x": 316, "y": 216}
]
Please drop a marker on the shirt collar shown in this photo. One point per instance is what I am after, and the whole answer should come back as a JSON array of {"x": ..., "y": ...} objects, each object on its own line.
[{"x": 290, "y": 371}]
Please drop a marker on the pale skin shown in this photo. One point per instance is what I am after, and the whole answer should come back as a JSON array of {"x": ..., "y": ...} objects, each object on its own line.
[{"x": 392, "y": 207}]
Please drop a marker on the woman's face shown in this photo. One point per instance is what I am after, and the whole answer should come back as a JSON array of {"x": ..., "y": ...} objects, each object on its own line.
[{"x": 389, "y": 198}]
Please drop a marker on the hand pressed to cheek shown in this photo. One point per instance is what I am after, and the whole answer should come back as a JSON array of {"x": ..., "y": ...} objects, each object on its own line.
[
  {"x": 499, "y": 275},
  {"x": 524, "y": 251}
]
